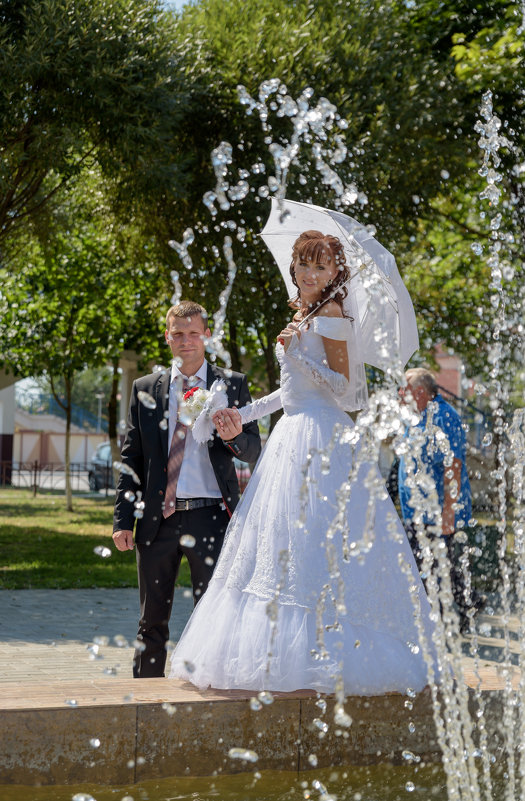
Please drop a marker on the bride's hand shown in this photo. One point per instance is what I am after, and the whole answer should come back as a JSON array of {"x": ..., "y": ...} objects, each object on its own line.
[
  {"x": 228, "y": 423},
  {"x": 285, "y": 337}
]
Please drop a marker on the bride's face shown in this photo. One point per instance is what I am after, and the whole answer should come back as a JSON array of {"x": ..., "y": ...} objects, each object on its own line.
[{"x": 314, "y": 276}]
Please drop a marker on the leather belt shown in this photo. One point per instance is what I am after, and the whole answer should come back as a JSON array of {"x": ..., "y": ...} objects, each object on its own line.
[{"x": 185, "y": 504}]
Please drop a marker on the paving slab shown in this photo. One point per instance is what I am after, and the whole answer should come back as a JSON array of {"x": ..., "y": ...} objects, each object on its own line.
[{"x": 49, "y": 635}]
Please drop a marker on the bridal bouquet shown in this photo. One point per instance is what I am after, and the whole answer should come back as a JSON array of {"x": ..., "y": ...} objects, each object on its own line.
[
  {"x": 193, "y": 402},
  {"x": 198, "y": 407}
]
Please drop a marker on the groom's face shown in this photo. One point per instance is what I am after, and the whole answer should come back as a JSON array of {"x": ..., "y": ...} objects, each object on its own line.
[{"x": 185, "y": 336}]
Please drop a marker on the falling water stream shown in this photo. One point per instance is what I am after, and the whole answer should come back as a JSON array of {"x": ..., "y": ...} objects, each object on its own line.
[{"x": 474, "y": 768}]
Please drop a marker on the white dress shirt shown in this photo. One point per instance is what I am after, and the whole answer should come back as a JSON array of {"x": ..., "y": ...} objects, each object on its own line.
[{"x": 196, "y": 478}]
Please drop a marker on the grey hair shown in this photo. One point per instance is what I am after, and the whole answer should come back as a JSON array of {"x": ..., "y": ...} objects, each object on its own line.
[{"x": 421, "y": 377}]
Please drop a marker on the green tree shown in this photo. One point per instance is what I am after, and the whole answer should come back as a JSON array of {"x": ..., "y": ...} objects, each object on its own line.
[
  {"x": 408, "y": 127},
  {"x": 76, "y": 299},
  {"x": 83, "y": 83}
]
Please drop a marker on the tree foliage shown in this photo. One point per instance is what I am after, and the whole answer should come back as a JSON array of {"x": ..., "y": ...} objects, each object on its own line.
[
  {"x": 138, "y": 98},
  {"x": 94, "y": 81},
  {"x": 394, "y": 71}
]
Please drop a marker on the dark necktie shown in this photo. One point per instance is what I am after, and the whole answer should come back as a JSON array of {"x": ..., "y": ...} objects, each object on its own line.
[{"x": 176, "y": 454}]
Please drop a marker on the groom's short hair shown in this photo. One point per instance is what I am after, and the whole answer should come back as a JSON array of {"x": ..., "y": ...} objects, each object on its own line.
[{"x": 187, "y": 309}]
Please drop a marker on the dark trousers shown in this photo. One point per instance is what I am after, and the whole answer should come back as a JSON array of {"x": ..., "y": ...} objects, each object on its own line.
[
  {"x": 158, "y": 566},
  {"x": 457, "y": 579}
]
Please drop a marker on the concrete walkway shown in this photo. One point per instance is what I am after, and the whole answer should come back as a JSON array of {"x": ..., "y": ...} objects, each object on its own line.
[{"x": 71, "y": 635}]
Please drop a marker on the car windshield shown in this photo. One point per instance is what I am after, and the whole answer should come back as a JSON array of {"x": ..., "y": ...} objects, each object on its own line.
[{"x": 104, "y": 452}]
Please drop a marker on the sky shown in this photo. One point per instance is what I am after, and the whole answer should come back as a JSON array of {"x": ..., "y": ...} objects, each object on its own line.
[{"x": 175, "y": 3}]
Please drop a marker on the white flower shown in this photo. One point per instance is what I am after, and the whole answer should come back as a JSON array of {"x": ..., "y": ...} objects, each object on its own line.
[{"x": 193, "y": 403}]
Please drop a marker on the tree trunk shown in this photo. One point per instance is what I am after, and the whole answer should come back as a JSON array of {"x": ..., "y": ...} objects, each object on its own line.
[
  {"x": 67, "y": 408},
  {"x": 69, "y": 494},
  {"x": 233, "y": 347},
  {"x": 112, "y": 418}
]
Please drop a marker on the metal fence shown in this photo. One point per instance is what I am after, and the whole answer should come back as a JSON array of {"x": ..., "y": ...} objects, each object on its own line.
[
  {"x": 52, "y": 476},
  {"x": 49, "y": 476}
]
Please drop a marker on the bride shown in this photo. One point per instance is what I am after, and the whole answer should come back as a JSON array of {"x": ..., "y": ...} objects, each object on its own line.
[{"x": 316, "y": 582}]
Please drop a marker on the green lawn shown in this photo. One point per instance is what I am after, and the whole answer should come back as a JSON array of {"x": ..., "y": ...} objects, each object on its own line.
[{"x": 42, "y": 546}]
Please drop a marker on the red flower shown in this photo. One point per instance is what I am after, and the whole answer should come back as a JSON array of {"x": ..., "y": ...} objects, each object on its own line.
[{"x": 189, "y": 393}]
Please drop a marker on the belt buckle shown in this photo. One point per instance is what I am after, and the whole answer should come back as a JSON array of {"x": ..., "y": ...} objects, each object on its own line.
[{"x": 187, "y": 505}]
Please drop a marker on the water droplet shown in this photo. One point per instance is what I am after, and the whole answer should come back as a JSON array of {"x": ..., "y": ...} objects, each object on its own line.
[
  {"x": 127, "y": 470},
  {"x": 255, "y": 704},
  {"x": 411, "y": 727},
  {"x": 410, "y": 787},
  {"x": 71, "y": 702},
  {"x": 101, "y": 639},
  {"x": 187, "y": 541},
  {"x": 487, "y": 440},
  {"x": 321, "y": 703},
  {"x": 239, "y": 191},
  {"x": 120, "y": 641},
  {"x": 102, "y": 551},
  {"x": 320, "y": 724},
  {"x": 243, "y": 753},
  {"x": 94, "y": 742},
  {"x": 410, "y": 757},
  {"x": 312, "y": 759},
  {"x": 189, "y": 666},
  {"x": 110, "y": 671},
  {"x": 146, "y": 399},
  {"x": 82, "y": 797},
  {"x": 129, "y": 496},
  {"x": 342, "y": 718},
  {"x": 265, "y": 697},
  {"x": 163, "y": 424}
]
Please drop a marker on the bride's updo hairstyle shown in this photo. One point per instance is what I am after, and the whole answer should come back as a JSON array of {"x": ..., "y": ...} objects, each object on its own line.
[{"x": 321, "y": 248}]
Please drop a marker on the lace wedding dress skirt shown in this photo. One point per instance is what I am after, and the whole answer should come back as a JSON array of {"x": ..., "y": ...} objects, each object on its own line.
[{"x": 310, "y": 585}]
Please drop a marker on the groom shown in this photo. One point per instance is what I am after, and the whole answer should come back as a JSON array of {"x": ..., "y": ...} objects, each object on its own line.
[{"x": 189, "y": 491}]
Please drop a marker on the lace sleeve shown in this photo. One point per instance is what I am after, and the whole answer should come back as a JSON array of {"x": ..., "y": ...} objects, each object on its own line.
[
  {"x": 320, "y": 373},
  {"x": 261, "y": 407}
]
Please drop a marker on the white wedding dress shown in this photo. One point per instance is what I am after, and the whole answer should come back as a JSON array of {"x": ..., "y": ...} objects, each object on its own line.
[{"x": 310, "y": 586}]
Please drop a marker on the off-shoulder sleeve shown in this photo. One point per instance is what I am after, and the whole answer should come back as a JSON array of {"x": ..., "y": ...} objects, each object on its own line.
[{"x": 333, "y": 327}]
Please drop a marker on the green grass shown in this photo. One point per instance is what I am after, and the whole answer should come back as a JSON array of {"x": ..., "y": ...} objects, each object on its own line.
[{"x": 42, "y": 546}]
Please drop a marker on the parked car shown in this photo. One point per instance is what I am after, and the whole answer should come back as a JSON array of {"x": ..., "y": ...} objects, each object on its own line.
[{"x": 100, "y": 468}]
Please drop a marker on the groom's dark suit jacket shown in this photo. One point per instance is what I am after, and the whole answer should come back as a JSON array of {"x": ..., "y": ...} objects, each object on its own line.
[{"x": 146, "y": 447}]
